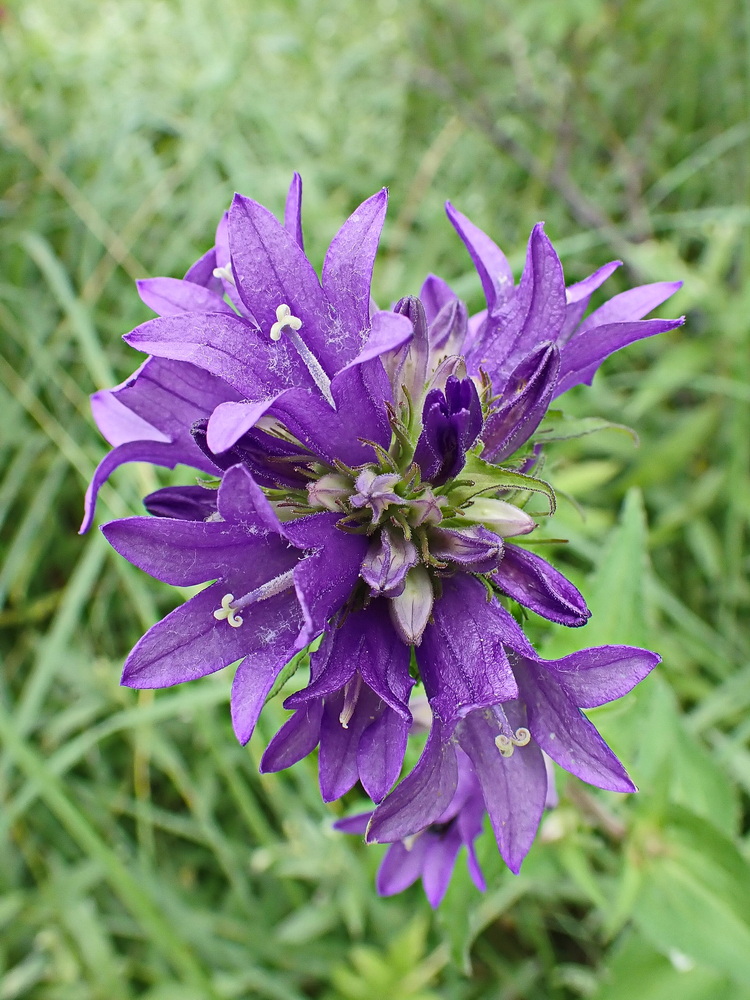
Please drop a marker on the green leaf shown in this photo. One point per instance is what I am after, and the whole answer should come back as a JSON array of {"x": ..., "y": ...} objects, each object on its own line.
[{"x": 558, "y": 426}]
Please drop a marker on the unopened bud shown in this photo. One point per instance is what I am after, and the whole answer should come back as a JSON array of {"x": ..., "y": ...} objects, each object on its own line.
[
  {"x": 329, "y": 490},
  {"x": 499, "y": 516}
]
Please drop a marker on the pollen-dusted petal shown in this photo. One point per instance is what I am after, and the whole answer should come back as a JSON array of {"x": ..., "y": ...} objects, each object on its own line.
[
  {"x": 191, "y": 643},
  {"x": 421, "y": 797},
  {"x": 531, "y": 581},
  {"x": 462, "y": 658},
  {"x": 228, "y": 347},
  {"x": 347, "y": 271},
  {"x": 594, "y": 677},
  {"x": 564, "y": 733},
  {"x": 389, "y": 331},
  {"x": 172, "y": 296},
  {"x": 183, "y": 553},
  {"x": 514, "y": 788}
]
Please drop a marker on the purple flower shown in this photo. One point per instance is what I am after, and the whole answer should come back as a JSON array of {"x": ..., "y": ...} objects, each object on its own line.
[
  {"x": 361, "y": 501},
  {"x": 431, "y": 854}
]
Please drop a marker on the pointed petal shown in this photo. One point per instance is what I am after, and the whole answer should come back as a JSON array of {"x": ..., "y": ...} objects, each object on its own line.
[
  {"x": 272, "y": 270},
  {"x": 631, "y": 305},
  {"x": 257, "y": 673},
  {"x": 339, "y": 742},
  {"x": 593, "y": 677},
  {"x": 435, "y": 293},
  {"x": 380, "y": 754},
  {"x": 564, "y": 733},
  {"x": 531, "y": 581},
  {"x": 401, "y": 867},
  {"x": 202, "y": 272},
  {"x": 388, "y": 332},
  {"x": 230, "y": 421},
  {"x": 439, "y": 862},
  {"x": 347, "y": 271},
  {"x": 172, "y": 296},
  {"x": 421, "y": 797},
  {"x": 119, "y": 424},
  {"x": 293, "y": 210},
  {"x": 514, "y": 787},
  {"x": 584, "y": 352},
  {"x": 578, "y": 296},
  {"x": 156, "y": 453},
  {"x": 491, "y": 263},
  {"x": 462, "y": 659},
  {"x": 297, "y": 738}
]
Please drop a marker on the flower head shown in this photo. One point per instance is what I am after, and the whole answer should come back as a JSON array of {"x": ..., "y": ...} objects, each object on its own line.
[{"x": 361, "y": 499}]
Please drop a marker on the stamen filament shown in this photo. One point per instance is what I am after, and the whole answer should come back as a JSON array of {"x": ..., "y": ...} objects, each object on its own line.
[
  {"x": 289, "y": 325},
  {"x": 351, "y": 695}
]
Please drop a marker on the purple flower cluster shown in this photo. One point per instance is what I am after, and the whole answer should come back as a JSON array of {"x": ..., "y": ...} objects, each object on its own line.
[{"x": 363, "y": 470}]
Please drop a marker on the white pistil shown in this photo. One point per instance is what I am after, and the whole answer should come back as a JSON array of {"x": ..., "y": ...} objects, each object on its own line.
[
  {"x": 351, "y": 695},
  {"x": 230, "y": 607},
  {"x": 289, "y": 325},
  {"x": 507, "y": 744},
  {"x": 225, "y": 272},
  {"x": 227, "y": 611}
]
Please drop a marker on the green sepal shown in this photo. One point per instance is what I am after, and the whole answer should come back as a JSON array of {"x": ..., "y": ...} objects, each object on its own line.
[
  {"x": 557, "y": 426},
  {"x": 487, "y": 478}
]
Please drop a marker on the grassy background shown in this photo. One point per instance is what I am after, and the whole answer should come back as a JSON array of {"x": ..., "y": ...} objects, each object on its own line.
[{"x": 142, "y": 856}]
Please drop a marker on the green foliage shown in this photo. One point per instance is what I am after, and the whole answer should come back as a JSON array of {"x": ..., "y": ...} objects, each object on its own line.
[{"x": 143, "y": 855}]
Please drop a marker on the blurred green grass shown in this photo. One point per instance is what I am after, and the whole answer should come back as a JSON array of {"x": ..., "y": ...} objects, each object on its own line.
[{"x": 143, "y": 856}]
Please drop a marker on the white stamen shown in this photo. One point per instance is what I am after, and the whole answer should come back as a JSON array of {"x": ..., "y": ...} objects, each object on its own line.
[
  {"x": 285, "y": 322},
  {"x": 225, "y": 272},
  {"x": 227, "y": 611},
  {"x": 230, "y": 607},
  {"x": 288, "y": 324},
  {"x": 507, "y": 744},
  {"x": 351, "y": 694}
]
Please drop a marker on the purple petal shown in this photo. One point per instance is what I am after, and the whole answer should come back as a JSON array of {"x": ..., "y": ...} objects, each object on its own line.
[
  {"x": 380, "y": 754},
  {"x": 514, "y": 788},
  {"x": 293, "y": 210},
  {"x": 584, "y": 352},
  {"x": 434, "y": 294},
  {"x": 531, "y": 581},
  {"x": 225, "y": 346},
  {"x": 439, "y": 862},
  {"x": 168, "y": 455},
  {"x": 191, "y": 643},
  {"x": 184, "y": 553},
  {"x": 389, "y": 558},
  {"x": 388, "y": 332},
  {"x": 202, "y": 272},
  {"x": 172, "y": 296},
  {"x": 491, "y": 263},
  {"x": 421, "y": 797},
  {"x": 564, "y": 733},
  {"x": 578, "y": 296},
  {"x": 339, "y": 742},
  {"x": 230, "y": 421},
  {"x": 187, "y": 503},
  {"x": 524, "y": 402},
  {"x": 347, "y": 271},
  {"x": 353, "y": 824},
  {"x": 257, "y": 673},
  {"x": 119, "y": 424},
  {"x": 296, "y": 739},
  {"x": 447, "y": 332},
  {"x": 272, "y": 270},
  {"x": 474, "y": 549},
  {"x": 631, "y": 305},
  {"x": 462, "y": 659},
  {"x": 401, "y": 867},
  {"x": 593, "y": 677},
  {"x": 325, "y": 580}
]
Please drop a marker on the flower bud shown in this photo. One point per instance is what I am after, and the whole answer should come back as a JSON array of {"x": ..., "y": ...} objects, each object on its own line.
[
  {"x": 327, "y": 491},
  {"x": 499, "y": 516},
  {"x": 411, "y": 610}
]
